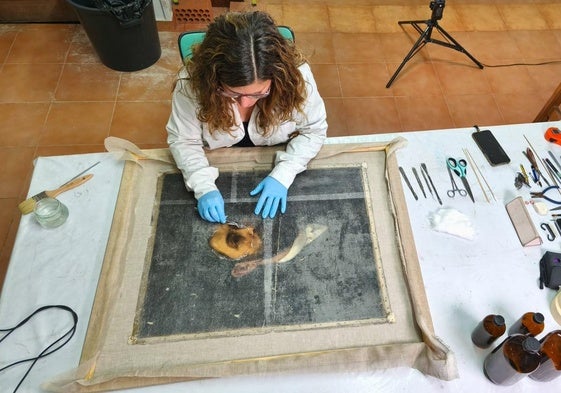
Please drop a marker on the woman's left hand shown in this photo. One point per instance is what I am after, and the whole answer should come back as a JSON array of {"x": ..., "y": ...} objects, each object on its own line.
[{"x": 273, "y": 194}]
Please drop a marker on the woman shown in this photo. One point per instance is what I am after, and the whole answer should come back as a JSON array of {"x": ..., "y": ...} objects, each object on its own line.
[{"x": 245, "y": 85}]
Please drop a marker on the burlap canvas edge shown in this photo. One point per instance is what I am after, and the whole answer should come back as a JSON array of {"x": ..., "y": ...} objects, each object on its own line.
[{"x": 432, "y": 356}]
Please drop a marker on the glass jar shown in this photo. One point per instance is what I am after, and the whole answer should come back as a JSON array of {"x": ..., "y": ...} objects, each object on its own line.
[
  {"x": 550, "y": 360},
  {"x": 516, "y": 357},
  {"x": 488, "y": 330},
  {"x": 50, "y": 212},
  {"x": 531, "y": 323}
]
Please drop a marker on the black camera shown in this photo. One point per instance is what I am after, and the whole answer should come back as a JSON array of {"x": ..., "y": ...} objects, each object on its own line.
[{"x": 437, "y": 7}]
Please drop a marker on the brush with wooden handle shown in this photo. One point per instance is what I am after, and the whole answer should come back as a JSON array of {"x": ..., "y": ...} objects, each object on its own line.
[{"x": 28, "y": 205}]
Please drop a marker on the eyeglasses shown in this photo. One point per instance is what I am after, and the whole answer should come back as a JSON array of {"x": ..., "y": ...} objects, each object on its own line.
[{"x": 237, "y": 96}]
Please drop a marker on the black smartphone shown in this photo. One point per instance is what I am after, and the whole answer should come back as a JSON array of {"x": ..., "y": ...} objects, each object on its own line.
[{"x": 490, "y": 147}]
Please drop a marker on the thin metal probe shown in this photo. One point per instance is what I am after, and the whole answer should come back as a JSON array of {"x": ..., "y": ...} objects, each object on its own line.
[
  {"x": 424, "y": 168},
  {"x": 427, "y": 182},
  {"x": 81, "y": 173},
  {"x": 408, "y": 184},
  {"x": 419, "y": 181}
]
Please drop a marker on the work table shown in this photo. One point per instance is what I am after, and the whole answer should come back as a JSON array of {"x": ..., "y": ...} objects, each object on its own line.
[{"x": 465, "y": 279}]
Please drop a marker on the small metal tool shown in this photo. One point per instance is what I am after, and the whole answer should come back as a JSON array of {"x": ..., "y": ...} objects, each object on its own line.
[
  {"x": 419, "y": 181},
  {"x": 541, "y": 194},
  {"x": 80, "y": 174},
  {"x": 408, "y": 184},
  {"x": 459, "y": 167},
  {"x": 455, "y": 189},
  {"x": 426, "y": 181},
  {"x": 424, "y": 168}
]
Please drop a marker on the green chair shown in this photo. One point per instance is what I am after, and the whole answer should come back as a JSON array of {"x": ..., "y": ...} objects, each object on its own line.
[{"x": 187, "y": 39}]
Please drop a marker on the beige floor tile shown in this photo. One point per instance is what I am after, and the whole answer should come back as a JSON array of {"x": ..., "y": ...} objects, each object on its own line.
[
  {"x": 327, "y": 79},
  {"x": 77, "y": 123},
  {"x": 170, "y": 60},
  {"x": 16, "y": 168},
  {"x": 415, "y": 79},
  {"x": 547, "y": 77},
  {"x": 550, "y": 13},
  {"x": 510, "y": 80},
  {"x": 8, "y": 214},
  {"x": 480, "y": 17},
  {"x": 336, "y": 117},
  {"x": 41, "y": 44},
  {"x": 309, "y": 18},
  {"x": 349, "y": 19},
  {"x": 395, "y": 46},
  {"x": 423, "y": 112},
  {"x": 461, "y": 79},
  {"x": 388, "y": 16},
  {"x": 364, "y": 80},
  {"x": 87, "y": 82},
  {"x": 371, "y": 115},
  {"x": 317, "y": 47},
  {"x": 141, "y": 122},
  {"x": 537, "y": 45},
  {"x": 519, "y": 108},
  {"x": 469, "y": 109},
  {"x": 7, "y": 38},
  {"x": 493, "y": 47},
  {"x": 81, "y": 49},
  {"x": 28, "y": 82},
  {"x": 22, "y": 123},
  {"x": 522, "y": 17},
  {"x": 146, "y": 86},
  {"x": 357, "y": 48}
]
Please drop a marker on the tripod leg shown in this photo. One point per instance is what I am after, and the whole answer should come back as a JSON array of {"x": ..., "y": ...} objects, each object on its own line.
[
  {"x": 416, "y": 47},
  {"x": 457, "y": 46}
]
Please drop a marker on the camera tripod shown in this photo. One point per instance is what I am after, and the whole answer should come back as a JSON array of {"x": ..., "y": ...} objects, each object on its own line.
[{"x": 437, "y": 8}]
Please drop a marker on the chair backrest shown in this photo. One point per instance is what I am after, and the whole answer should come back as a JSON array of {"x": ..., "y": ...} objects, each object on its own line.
[
  {"x": 552, "y": 109},
  {"x": 187, "y": 39}
]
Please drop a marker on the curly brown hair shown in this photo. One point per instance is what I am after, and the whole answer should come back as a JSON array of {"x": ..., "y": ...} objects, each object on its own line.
[{"x": 239, "y": 49}]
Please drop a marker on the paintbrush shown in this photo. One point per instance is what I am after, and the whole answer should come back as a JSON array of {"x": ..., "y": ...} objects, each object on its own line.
[{"x": 28, "y": 205}]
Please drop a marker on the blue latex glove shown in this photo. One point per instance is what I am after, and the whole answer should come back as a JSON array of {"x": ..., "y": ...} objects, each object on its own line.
[
  {"x": 273, "y": 193},
  {"x": 211, "y": 207}
]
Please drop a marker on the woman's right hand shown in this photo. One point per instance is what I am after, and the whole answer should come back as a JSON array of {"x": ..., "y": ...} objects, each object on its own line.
[{"x": 211, "y": 207}]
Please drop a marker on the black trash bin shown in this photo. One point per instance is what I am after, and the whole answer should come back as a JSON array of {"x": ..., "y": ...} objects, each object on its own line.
[{"x": 125, "y": 38}]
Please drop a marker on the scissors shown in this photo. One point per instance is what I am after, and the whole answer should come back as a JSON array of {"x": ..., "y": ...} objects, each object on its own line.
[{"x": 459, "y": 168}]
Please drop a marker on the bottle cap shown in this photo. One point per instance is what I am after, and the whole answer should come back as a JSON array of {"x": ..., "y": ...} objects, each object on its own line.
[
  {"x": 531, "y": 344},
  {"x": 498, "y": 320},
  {"x": 538, "y": 318}
]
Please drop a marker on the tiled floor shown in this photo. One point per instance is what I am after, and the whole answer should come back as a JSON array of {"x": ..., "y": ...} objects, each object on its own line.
[{"x": 57, "y": 98}]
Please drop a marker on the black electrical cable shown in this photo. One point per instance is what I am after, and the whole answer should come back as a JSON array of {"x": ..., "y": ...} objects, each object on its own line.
[
  {"x": 61, "y": 341},
  {"x": 522, "y": 64}
]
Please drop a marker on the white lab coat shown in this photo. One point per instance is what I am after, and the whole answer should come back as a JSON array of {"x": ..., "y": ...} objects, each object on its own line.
[{"x": 188, "y": 138}]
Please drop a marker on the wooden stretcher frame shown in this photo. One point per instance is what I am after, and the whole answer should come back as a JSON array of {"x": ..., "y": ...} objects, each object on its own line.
[{"x": 111, "y": 360}]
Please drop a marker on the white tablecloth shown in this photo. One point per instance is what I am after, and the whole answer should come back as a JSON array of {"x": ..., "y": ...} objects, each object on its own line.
[{"x": 464, "y": 279}]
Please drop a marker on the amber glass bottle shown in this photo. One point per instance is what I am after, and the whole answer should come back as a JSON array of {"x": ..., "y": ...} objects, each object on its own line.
[
  {"x": 488, "y": 330},
  {"x": 516, "y": 357},
  {"x": 550, "y": 359},
  {"x": 531, "y": 323}
]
